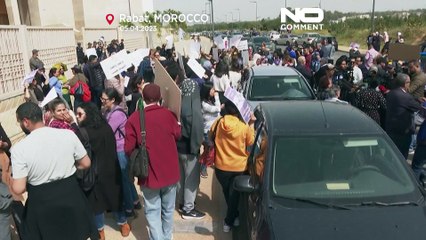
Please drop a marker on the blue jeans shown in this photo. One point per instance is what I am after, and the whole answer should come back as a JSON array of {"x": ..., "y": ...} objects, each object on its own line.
[
  {"x": 159, "y": 206},
  {"x": 129, "y": 191},
  {"x": 100, "y": 219}
]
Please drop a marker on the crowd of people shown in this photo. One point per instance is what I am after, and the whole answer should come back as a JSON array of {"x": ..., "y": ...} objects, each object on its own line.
[{"x": 97, "y": 136}]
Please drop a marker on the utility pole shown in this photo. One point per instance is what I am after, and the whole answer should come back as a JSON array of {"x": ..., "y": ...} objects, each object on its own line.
[
  {"x": 372, "y": 17},
  {"x": 211, "y": 6},
  {"x": 255, "y": 2}
]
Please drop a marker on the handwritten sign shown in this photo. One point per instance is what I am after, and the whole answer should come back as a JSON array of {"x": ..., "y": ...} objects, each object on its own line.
[
  {"x": 115, "y": 64},
  {"x": 240, "y": 102}
]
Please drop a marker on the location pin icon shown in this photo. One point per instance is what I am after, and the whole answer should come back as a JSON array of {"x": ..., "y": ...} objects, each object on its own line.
[{"x": 110, "y": 18}]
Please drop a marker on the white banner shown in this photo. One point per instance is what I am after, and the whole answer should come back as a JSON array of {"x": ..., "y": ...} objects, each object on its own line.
[
  {"x": 219, "y": 42},
  {"x": 115, "y": 64}
]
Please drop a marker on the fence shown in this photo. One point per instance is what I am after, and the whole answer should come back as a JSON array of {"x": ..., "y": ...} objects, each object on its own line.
[{"x": 16, "y": 43}]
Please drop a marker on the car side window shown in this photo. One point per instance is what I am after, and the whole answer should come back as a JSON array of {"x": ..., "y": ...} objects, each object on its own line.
[{"x": 258, "y": 154}]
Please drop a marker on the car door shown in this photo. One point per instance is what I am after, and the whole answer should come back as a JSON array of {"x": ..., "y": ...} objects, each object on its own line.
[{"x": 256, "y": 163}]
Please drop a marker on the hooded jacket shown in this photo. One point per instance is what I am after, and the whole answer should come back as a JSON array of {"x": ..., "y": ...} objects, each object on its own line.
[
  {"x": 232, "y": 139},
  {"x": 191, "y": 118}
]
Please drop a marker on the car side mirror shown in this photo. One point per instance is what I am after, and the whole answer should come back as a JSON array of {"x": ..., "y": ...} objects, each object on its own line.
[{"x": 243, "y": 184}]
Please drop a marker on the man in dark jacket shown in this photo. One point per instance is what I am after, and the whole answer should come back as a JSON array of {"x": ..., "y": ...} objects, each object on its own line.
[
  {"x": 400, "y": 106},
  {"x": 80, "y": 54},
  {"x": 96, "y": 77}
]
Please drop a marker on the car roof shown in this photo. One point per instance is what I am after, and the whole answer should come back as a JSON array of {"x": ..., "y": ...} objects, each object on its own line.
[
  {"x": 316, "y": 117},
  {"x": 273, "y": 70}
]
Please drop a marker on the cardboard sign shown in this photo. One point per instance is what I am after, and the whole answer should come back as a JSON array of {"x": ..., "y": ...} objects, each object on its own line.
[
  {"x": 225, "y": 43},
  {"x": 240, "y": 102},
  {"x": 196, "y": 67},
  {"x": 170, "y": 92},
  {"x": 243, "y": 45},
  {"x": 137, "y": 56},
  {"x": 115, "y": 64},
  {"x": 91, "y": 51},
  {"x": 404, "y": 52},
  {"x": 29, "y": 78}
]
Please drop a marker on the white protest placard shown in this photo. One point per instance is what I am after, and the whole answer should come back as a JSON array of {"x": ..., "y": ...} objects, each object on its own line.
[
  {"x": 215, "y": 52},
  {"x": 194, "y": 49},
  {"x": 240, "y": 102},
  {"x": 29, "y": 78},
  {"x": 49, "y": 97},
  {"x": 91, "y": 51},
  {"x": 243, "y": 45},
  {"x": 126, "y": 81},
  {"x": 115, "y": 64},
  {"x": 219, "y": 42},
  {"x": 169, "y": 42},
  {"x": 235, "y": 40},
  {"x": 245, "y": 55},
  {"x": 137, "y": 56},
  {"x": 196, "y": 67}
]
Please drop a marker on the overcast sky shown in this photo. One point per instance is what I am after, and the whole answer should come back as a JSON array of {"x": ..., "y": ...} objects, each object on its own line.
[{"x": 271, "y": 8}]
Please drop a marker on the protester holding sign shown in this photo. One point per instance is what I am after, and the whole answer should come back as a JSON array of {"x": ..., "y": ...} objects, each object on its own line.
[{"x": 233, "y": 137}]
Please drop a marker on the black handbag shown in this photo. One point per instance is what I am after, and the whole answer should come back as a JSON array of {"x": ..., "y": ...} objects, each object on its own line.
[{"x": 139, "y": 159}]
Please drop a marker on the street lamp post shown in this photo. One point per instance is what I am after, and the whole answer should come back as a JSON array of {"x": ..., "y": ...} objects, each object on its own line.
[
  {"x": 255, "y": 2},
  {"x": 212, "y": 16},
  {"x": 237, "y": 9}
]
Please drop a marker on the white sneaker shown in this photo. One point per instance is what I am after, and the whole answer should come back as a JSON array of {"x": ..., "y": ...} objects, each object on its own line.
[
  {"x": 237, "y": 222},
  {"x": 226, "y": 227}
]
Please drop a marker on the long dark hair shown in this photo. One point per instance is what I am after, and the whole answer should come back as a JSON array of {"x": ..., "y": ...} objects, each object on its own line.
[
  {"x": 94, "y": 118},
  {"x": 52, "y": 72},
  {"x": 221, "y": 69},
  {"x": 205, "y": 92}
]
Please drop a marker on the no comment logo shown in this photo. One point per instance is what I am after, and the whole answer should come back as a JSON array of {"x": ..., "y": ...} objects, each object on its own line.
[{"x": 303, "y": 18}]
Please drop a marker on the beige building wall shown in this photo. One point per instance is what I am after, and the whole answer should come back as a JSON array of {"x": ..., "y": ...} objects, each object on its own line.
[{"x": 56, "y": 13}]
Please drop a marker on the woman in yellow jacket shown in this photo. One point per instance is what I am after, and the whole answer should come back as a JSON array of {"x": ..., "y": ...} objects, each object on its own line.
[{"x": 232, "y": 137}]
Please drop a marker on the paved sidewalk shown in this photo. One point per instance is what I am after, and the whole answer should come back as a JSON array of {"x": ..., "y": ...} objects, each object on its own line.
[{"x": 209, "y": 200}]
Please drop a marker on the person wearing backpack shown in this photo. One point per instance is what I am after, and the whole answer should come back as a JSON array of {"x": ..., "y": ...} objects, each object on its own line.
[
  {"x": 117, "y": 118},
  {"x": 74, "y": 83}
]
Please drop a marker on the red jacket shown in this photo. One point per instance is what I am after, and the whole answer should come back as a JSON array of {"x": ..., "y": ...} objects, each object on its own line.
[{"x": 162, "y": 131}]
